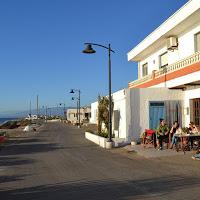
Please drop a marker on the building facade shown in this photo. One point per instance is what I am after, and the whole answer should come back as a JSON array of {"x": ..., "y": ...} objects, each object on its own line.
[
  {"x": 73, "y": 114},
  {"x": 170, "y": 58},
  {"x": 168, "y": 84}
]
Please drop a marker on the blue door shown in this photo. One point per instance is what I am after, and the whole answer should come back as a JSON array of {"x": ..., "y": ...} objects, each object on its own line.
[{"x": 156, "y": 111}]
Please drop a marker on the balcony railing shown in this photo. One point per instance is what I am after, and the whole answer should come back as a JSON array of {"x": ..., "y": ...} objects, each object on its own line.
[{"x": 168, "y": 69}]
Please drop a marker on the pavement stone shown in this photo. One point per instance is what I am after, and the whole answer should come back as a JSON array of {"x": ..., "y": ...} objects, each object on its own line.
[{"x": 150, "y": 152}]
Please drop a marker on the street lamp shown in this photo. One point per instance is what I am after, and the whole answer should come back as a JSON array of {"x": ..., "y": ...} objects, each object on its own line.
[
  {"x": 72, "y": 91},
  {"x": 77, "y": 107},
  {"x": 90, "y": 50},
  {"x": 63, "y": 109}
]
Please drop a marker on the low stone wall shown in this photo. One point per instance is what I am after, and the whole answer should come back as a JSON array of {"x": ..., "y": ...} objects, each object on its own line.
[
  {"x": 101, "y": 141},
  {"x": 54, "y": 120}
]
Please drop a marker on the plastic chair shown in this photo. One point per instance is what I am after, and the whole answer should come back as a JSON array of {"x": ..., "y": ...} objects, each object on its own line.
[{"x": 149, "y": 138}]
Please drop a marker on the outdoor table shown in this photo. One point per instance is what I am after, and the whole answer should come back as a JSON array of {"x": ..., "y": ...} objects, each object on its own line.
[{"x": 184, "y": 138}]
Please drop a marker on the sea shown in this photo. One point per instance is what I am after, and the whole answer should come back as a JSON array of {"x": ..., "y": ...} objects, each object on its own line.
[{"x": 3, "y": 120}]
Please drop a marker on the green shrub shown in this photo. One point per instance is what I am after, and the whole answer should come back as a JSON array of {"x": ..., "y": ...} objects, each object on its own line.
[{"x": 103, "y": 134}]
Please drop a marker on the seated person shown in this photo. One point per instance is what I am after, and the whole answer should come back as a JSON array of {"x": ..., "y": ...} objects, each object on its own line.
[
  {"x": 196, "y": 156},
  {"x": 172, "y": 132},
  {"x": 192, "y": 129},
  {"x": 162, "y": 133}
]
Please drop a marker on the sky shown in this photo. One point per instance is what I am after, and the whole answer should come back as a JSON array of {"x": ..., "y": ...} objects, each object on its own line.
[{"x": 41, "y": 43}]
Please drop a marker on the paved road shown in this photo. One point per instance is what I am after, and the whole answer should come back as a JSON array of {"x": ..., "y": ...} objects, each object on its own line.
[{"x": 58, "y": 163}]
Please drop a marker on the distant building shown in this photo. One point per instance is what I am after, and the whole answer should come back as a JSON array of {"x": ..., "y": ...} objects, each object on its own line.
[
  {"x": 31, "y": 117},
  {"x": 72, "y": 114}
]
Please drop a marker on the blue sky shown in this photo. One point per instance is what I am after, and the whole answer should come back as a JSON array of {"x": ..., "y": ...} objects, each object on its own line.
[{"x": 41, "y": 43}]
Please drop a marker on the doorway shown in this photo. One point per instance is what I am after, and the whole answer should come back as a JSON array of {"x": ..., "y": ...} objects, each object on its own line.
[
  {"x": 156, "y": 111},
  {"x": 196, "y": 111}
]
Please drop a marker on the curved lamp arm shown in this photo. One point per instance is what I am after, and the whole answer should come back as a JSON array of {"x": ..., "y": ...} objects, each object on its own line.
[{"x": 99, "y": 45}]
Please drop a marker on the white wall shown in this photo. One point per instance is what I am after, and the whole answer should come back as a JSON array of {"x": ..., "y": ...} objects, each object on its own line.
[
  {"x": 138, "y": 107},
  {"x": 186, "y": 42},
  {"x": 94, "y": 113},
  {"x": 119, "y": 99},
  {"x": 185, "y": 49},
  {"x": 153, "y": 61},
  {"x": 133, "y": 105}
]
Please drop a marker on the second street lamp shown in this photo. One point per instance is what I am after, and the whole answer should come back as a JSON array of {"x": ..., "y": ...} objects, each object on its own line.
[
  {"x": 64, "y": 113},
  {"x": 77, "y": 108},
  {"x": 90, "y": 50},
  {"x": 72, "y": 91}
]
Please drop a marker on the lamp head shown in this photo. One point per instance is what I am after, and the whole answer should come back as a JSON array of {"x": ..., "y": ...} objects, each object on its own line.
[
  {"x": 89, "y": 49},
  {"x": 71, "y": 91}
]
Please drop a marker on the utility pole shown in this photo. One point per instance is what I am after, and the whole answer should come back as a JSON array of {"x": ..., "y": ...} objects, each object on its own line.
[
  {"x": 30, "y": 108},
  {"x": 46, "y": 114},
  {"x": 50, "y": 112},
  {"x": 37, "y": 105}
]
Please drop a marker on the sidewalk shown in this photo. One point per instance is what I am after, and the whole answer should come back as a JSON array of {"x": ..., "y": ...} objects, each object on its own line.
[{"x": 154, "y": 153}]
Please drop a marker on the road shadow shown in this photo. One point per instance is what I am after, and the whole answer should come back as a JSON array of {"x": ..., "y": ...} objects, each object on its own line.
[
  {"x": 6, "y": 161},
  {"x": 30, "y": 148},
  {"x": 22, "y": 140},
  {"x": 117, "y": 190},
  {"x": 6, "y": 179}
]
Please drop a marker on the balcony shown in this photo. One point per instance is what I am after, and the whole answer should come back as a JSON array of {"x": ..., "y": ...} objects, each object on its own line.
[{"x": 168, "y": 73}]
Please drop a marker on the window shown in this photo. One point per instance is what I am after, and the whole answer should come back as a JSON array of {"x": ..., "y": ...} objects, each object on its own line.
[
  {"x": 163, "y": 60},
  {"x": 197, "y": 42},
  {"x": 145, "y": 69}
]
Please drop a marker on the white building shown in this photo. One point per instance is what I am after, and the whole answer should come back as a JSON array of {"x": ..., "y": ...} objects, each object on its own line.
[
  {"x": 170, "y": 58},
  {"x": 73, "y": 114},
  {"x": 168, "y": 84},
  {"x": 131, "y": 110},
  {"x": 119, "y": 113}
]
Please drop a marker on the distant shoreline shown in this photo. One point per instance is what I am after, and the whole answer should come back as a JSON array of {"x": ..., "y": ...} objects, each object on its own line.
[{"x": 3, "y": 120}]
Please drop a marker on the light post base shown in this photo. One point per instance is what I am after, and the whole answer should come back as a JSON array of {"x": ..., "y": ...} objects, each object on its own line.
[{"x": 109, "y": 144}]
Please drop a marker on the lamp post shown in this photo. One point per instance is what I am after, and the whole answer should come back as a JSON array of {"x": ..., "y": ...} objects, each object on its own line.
[
  {"x": 72, "y": 91},
  {"x": 90, "y": 50},
  {"x": 63, "y": 109},
  {"x": 77, "y": 107}
]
